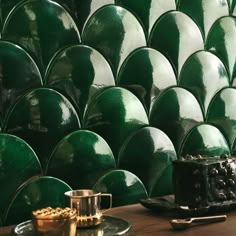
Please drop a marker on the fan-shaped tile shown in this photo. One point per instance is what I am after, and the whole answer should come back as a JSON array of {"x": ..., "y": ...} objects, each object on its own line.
[
  {"x": 205, "y": 140},
  {"x": 204, "y": 12},
  {"x": 114, "y": 114},
  {"x": 177, "y": 36},
  {"x": 85, "y": 9},
  {"x": 125, "y": 187},
  {"x": 204, "y": 75},
  {"x": 220, "y": 41},
  {"x": 19, "y": 73},
  {"x": 80, "y": 159},
  {"x": 146, "y": 72},
  {"x": 115, "y": 32},
  {"x": 42, "y": 28},
  {"x": 148, "y": 149},
  {"x": 35, "y": 194},
  {"x": 79, "y": 72},
  {"x": 222, "y": 113},
  {"x": 42, "y": 118},
  {"x": 148, "y": 11},
  {"x": 18, "y": 163},
  {"x": 175, "y": 112}
]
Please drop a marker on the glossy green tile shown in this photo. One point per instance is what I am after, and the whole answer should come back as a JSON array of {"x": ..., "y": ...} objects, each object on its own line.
[
  {"x": 80, "y": 159},
  {"x": 125, "y": 187},
  {"x": 205, "y": 140},
  {"x": 85, "y": 9},
  {"x": 19, "y": 74},
  {"x": 148, "y": 149},
  {"x": 204, "y": 12},
  {"x": 219, "y": 41},
  {"x": 146, "y": 72},
  {"x": 148, "y": 11},
  {"x": 127, "y": 34},
  {"x": 114, "y": 114},
  {"x": 164, "y": 184},
  {"x": 79, "y": 72},
  {"x": 42, "y": 118},
  {"x": 198, "y": 73},
  {"x": 222, "y": 113},
  {"x": 42, "y": 28},
  {"x": 177, "y": 36},
  {"x": 35, "y": 194},
  {"x": 18, "y": 163},
  {"x": 175, "y": 112}
]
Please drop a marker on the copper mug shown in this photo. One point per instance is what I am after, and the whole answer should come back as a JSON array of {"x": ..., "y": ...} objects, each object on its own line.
[{"x": 87, "y": 205}]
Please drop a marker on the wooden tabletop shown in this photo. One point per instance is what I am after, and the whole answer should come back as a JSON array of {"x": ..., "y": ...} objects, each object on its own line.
[{"x": 150, "y": 223}]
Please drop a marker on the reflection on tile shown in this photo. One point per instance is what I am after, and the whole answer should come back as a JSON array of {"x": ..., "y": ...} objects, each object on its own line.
[
  {"x": 172, "y": 34},
  {"x": 42, "y": 118},
  {"x": 175, "y": 112},
  {"x": 42, "y": 28},
  {"x": 146, "y": 72},
  {"x": 125, "y": 187},
  {"x": 197, "y": 73},
  {"x": 148, "y": 149},
  {"x": 114, "y": 114},
  {"x": 36, "y": 193},
  {"x": 19, "y": 74},
  {"x": 127, "y": 34},
  {"x": 79, "y": 72},
  {"x": 80, "y": 159},
  {"x": 205, "y": 140}
]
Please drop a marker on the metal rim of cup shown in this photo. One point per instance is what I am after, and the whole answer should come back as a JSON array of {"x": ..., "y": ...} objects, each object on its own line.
[{"x": 74, "y": 193}]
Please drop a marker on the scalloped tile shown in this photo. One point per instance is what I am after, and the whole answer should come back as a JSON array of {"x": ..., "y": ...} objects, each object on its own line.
[
  {"x": 219, "y": 41},
  {"x": 127, "y": 34},
  {"x": 198, "y": 73},
  {"x": 79, "y": 72},
  {"x": 148, "y": 149},
  {"x": 42, "y": 118},
  {"x": 175, "y": 112},
  {"x": 146, "y": 72},
  {"x": 42, "y": 28},
  {"x": 177, "y": 36},
  {"x": 80, "y": 159}
]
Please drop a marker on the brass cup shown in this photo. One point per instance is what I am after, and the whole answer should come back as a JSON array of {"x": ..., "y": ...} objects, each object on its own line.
[
  {"x": 87, "y": 204},
  {"x": 54, "y": 222}
]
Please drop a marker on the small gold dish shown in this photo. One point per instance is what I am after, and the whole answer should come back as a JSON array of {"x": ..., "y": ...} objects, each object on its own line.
[{"x": 55, "y": 221}]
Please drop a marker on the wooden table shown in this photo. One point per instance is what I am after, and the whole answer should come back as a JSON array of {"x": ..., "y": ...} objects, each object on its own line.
[{"x": 149, "y": 223}]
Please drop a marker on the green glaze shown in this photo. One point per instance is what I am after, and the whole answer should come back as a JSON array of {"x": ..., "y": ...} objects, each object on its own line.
[
  {"x": 114, "y": 114},
  {"x": 164, "y": 184},
  {"x": 85, "y": 9},
  {"x": 18, "y": 163},
  {"x": 147, "y": 149},
  {"x": 177, "y": 36},
  {"x": 42, "y": 31},
  {"x": 148, "y": 11},
  {"x": 203, "y": 12},
  {"x": 114, "y": 32},
  {"x": 42, "y": 118},
  {"x": 219, "y": 41},
  {"x": 16, "y": 82},
  {"x": 222, "y": 113},
  {"x": 79, "y": 72},
  {"x": 146, "y": 72},
  {"x": 175, "y": 112},
  {"x": 35, "y": 194},
  {"x": 205, "y": 140},
  {"x": 125, "y": 187},
  {"x": 231, "y": 4},
  {"x": 197, "y": 74},
  {"x": 80, "y": 159}
]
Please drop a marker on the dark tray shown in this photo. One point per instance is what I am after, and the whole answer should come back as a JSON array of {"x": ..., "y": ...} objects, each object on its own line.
[{"x": 110, "y": 226}]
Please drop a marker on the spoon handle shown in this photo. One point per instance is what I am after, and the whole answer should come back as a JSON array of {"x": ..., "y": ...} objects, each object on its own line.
[{"x": 208, "y": 219}]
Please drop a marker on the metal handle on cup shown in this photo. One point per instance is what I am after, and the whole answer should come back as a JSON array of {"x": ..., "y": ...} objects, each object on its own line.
[{"x": 110, "y": 196}]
